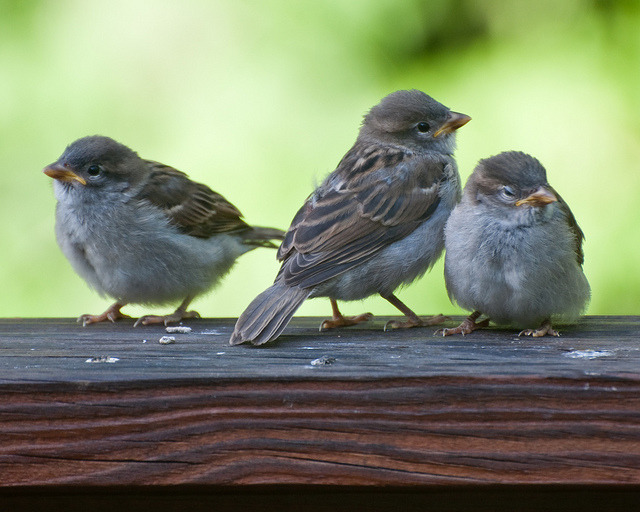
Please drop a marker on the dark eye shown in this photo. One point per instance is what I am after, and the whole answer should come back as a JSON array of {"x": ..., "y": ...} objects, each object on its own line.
[
  {"x": 508, "y": 192},
  {"x": 94, "y": 170},
  {"x": 423, "y": 127}
]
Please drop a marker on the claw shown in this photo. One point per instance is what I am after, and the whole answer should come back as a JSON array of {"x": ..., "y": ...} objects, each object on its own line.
[
  {"x": 173, "y": 318},
  {"x": 338, "y": 320},
  {"x": 545, "y": 329},
  {"x": 415, "y": 322},
  {"x": 345, "y": 321},
  {"x": 467, "y": 326},
  {"x": 112, "y": 314}
]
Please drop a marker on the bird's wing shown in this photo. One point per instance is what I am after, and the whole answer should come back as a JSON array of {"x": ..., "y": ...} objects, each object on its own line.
[
  {"x": 193, "y": 207},
  {"x": 573, "y": 225},
  {"x": 376, "y": 196}
]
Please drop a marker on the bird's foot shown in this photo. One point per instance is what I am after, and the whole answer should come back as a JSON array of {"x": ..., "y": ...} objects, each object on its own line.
[
  {"x": 345, "y": 321},
  {"x": 173, "y": 318},
  {"x": 415, "y": 322},
  {"x": 467, "y": 326},
  {"x": 112, "y": 314},
  {"x": 545, "y": 329}
]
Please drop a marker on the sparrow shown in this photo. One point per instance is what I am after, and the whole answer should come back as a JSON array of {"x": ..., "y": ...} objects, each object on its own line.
[
  {"x": 514, "y": 249},
  {"x": 375, "y": 223},
  {"x": 142, "y": 232}
]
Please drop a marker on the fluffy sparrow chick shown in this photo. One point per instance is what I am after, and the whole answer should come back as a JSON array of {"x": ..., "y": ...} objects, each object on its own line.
[
  {"x": 143, "y": 232},
  {"x": 375, "y": 223},
  {"x": 514, "y": 249}
]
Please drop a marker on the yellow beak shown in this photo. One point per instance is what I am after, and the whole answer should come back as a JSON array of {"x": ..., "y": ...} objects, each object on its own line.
[
  {"x": 540, "y": 197},
  {"x": 455, "y": 121},
  {"x": 57, "y": 172}
]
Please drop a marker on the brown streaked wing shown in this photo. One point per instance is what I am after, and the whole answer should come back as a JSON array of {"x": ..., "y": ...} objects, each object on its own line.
[
  {"x": 193, "y": 207},
  {"x": 347, "y": 221},
  {"x": 573, "y": 225}
]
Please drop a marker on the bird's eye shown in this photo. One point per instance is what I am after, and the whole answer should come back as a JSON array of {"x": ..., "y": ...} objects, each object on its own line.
[
  {"x": 423, "y": 127},
  {"x": 94, "y": 170},
  {"x": 508, "y": 192}
]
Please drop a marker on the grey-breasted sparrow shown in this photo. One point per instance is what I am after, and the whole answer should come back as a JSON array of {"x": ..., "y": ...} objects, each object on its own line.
[
  {"x": 142, "y": 232},
  {"x": 375, "y": 223},
  {"x": 514, "y": 249}
]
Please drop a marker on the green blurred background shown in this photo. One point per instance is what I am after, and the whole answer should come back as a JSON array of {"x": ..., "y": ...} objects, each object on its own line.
[{"x": 260, "y": 100}]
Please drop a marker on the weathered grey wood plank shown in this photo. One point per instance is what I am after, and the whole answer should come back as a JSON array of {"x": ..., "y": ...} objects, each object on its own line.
[{"x": 47, "y": 350}]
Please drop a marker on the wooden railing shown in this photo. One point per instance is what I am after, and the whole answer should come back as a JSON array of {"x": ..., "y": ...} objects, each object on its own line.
[{"x": 355, "y": 417}]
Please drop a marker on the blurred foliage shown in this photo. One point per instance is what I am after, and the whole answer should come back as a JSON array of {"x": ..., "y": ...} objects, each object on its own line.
[{"x": 261, "y": 99}]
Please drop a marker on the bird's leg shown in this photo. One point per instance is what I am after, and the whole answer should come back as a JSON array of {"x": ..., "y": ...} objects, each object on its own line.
[
  {"x": 468, "y": 325},
  {"x": 544, "y": 330},
  {"x": 179, "y": 314},
  {"x": 343, "y": 321},
  {"x": 412, "y": 320},
  {"x": 112, "y": 314}
]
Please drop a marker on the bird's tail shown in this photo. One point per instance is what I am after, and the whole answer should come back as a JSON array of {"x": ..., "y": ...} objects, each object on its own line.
[
  {"x": 268, "y": 314},
  {"x": 260, "y": 237}
]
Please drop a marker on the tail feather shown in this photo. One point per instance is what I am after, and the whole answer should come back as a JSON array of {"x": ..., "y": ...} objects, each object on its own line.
[
  {"x": 260, "y": 237},
  {"x": 268, "y": 314}
]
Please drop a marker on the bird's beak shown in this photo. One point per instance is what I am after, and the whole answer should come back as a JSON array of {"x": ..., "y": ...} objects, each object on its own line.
[
  {"x": 540, "y": 197},
  {"x": 453, "y": 122},
  {"x": 60, "y": 173}
]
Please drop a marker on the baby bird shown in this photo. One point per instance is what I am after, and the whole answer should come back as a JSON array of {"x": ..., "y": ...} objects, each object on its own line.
[
  {"x": 514, "y": 249},
  {"x": 375, "y": 223},
  {"x": 142, "y": 232}
]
